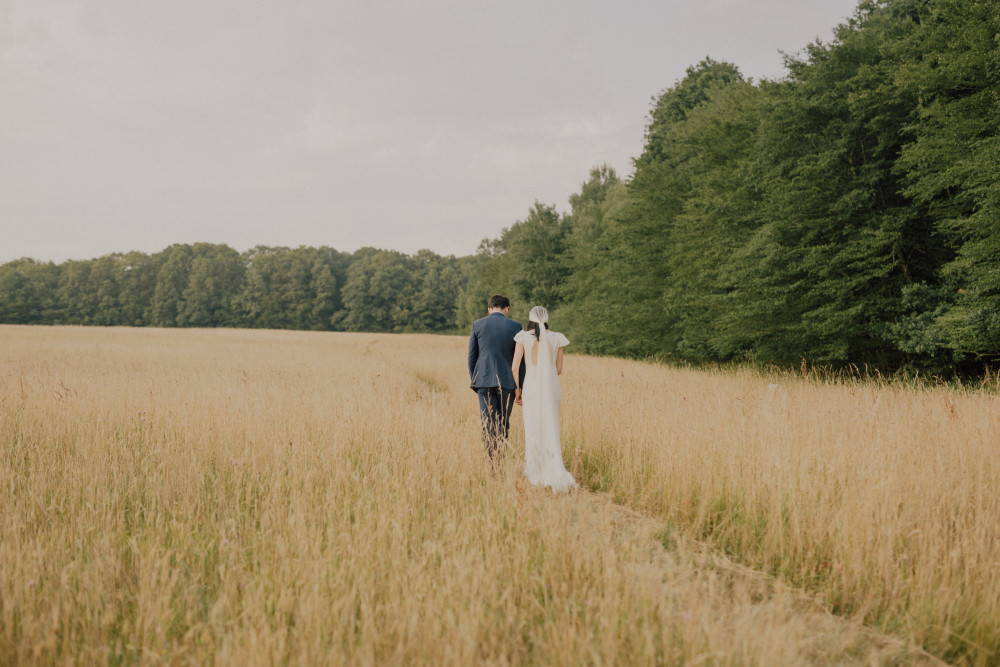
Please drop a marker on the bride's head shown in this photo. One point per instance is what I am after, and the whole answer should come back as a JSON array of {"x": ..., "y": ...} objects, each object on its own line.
[{"x": 538, "y": 318}]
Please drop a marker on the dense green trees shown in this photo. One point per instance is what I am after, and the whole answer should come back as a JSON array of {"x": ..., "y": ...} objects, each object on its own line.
[
  {"x": 846, "y": 214},
  {"x": 26, "y": 291},
  {"x": 216, "y": 278},
  {"x": 951, "y": 168},
  {"x": 208, "y": 285},
  {"x": 593, "y": 305}
]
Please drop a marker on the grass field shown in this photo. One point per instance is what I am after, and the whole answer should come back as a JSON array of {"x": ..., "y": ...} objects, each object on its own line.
[{"x": 288, "y": 497}]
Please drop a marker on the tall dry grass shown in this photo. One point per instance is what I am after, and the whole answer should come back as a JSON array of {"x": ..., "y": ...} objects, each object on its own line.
[
  {"x": 260, "y": 497},
  {"x": 883, "y": 500}
]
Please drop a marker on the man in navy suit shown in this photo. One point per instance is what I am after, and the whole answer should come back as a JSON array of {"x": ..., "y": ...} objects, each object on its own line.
[{"x": 491, "y": 353}]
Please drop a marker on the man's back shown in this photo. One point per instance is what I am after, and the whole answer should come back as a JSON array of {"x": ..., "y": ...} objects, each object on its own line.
[{"x": 491, "y": 351}]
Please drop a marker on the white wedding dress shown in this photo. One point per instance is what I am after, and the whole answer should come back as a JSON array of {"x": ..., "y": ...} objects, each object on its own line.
[{"x": 543, "y": 463}]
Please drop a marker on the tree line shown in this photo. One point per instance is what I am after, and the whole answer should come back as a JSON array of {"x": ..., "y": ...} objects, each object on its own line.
[
  {"x": 848, "y": 213},
  {"x": 210, "y": 285}
]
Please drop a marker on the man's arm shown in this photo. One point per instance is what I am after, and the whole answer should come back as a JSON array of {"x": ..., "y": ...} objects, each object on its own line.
[{"x": 473, "y": 355}]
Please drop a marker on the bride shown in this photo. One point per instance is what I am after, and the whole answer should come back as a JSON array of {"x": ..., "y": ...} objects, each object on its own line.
[{"x": 542, "y": 351}]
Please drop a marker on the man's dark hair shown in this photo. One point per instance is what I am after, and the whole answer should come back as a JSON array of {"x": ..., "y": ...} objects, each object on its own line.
[{"x": 498, "y": 302}]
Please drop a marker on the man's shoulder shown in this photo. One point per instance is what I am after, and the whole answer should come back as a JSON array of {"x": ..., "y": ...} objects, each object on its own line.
[
  {"x": 492, "y": 317},
  {"x": 501, "y": 323}
]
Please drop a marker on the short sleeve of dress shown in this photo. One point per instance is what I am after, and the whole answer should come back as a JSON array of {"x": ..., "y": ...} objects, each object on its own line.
[
  {"x": 559, "y": 339},
  {"x": 523, "y": 337}
]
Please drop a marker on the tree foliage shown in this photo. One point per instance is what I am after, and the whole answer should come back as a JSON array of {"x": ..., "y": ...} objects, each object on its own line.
[
  {"x": 209, "y": 285},
  {"x": 846, "y": 214}
]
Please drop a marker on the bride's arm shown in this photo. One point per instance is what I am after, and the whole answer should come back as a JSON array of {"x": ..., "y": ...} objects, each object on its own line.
[
  {"x": 515, "y": 367},
  {"x": 559, "y": 356}
]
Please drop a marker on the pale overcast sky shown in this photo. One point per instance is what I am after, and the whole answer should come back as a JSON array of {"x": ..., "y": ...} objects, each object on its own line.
[{"x": 134, "y": 124}]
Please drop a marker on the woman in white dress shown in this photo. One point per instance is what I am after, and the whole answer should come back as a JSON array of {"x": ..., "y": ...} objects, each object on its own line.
[{"x": 542, "y": 351}]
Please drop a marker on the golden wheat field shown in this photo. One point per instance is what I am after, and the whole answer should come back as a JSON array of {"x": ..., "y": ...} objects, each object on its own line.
[{"x": 260, "y": 497}]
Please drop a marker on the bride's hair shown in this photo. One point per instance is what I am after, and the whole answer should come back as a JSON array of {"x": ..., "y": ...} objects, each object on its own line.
[{"x": 533, "y": 328}]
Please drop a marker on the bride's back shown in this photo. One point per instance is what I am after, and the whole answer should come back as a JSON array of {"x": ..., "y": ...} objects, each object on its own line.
[{"x": 552, "y": 345}]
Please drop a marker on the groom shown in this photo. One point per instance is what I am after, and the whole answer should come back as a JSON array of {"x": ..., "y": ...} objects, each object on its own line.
[{"x": 491, "y": 353}]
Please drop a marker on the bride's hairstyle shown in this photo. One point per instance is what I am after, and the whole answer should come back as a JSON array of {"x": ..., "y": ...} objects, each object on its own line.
[{"x": 533, "y": 328}]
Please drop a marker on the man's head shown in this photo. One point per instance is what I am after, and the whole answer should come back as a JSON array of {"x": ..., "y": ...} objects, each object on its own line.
[{"x": 499, "y": 303}]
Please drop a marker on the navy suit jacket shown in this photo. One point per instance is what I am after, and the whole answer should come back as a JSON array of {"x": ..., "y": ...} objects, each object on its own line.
[{"x": 491, "y": 352}]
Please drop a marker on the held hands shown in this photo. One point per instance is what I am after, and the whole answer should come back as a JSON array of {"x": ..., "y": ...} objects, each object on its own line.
[{"x": 517, "y": 396}]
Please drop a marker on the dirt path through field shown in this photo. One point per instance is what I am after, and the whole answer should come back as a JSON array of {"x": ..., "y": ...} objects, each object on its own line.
[{"x": 703, "y": 590}]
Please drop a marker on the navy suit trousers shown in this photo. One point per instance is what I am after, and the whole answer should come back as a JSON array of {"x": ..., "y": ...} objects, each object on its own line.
[{"x": 495, "y": 404}]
